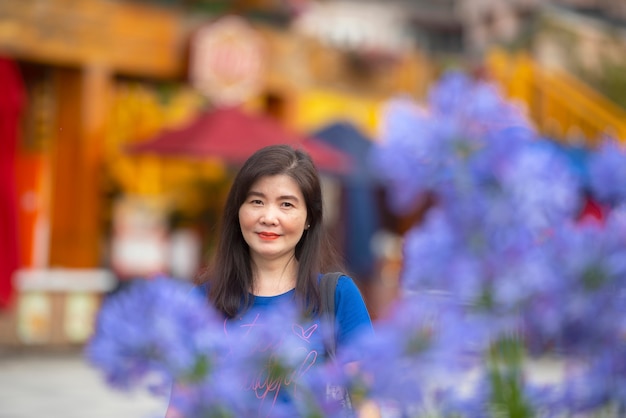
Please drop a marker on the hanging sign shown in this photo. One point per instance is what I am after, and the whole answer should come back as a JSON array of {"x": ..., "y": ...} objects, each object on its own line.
[{"x": 226, "y": 61}]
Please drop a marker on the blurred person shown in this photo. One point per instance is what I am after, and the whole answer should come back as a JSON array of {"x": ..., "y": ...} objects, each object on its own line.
[{"x": 273, "y": 248}]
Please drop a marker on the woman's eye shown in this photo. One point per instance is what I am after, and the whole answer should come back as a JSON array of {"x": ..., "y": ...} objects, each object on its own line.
[
  {"x": 256, "y": 202},
  {"x": 287, "y": 204}
]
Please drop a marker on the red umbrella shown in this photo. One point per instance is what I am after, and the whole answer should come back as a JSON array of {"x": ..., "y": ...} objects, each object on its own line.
[{"x": 233, "y": 135}]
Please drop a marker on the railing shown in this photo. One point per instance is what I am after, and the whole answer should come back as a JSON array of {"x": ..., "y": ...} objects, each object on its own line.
[{"x": 561, "y": 106}]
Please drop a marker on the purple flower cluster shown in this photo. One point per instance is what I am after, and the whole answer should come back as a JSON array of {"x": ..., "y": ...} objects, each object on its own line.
[
  {"x": 502, "y": 241},
  {"x": 401, "y": 365},
  {"x": 162, "y": 335},
  {"x": 139, "y": 332},
  {"x": 157, "y": 333}
]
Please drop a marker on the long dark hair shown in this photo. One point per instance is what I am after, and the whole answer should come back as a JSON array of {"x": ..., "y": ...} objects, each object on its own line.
[{"x": 231, "y": 272}]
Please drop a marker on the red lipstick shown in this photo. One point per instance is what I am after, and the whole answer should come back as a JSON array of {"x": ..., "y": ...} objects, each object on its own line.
[{"x": 268, "y": 236}]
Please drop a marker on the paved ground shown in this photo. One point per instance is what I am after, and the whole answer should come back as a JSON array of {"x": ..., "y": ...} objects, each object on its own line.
[{"x": 63, "y": 385}]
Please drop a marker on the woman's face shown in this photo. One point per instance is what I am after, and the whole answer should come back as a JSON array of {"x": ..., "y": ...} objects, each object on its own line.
[{"x": 273, "y": 217}]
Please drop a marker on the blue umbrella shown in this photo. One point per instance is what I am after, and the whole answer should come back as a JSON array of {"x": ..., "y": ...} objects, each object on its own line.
[
  {"x": 344, "y": 136},
  {"x": 361, "y": 211}
]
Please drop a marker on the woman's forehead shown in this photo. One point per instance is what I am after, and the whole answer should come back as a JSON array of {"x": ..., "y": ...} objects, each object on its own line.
[{"x": 276, "y": 184}]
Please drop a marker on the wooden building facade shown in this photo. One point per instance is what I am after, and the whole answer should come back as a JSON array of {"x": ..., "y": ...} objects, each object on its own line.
[{"x": 72, "y": 55}]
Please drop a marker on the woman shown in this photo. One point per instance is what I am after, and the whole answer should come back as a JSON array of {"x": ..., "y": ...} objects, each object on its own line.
[{"x": 272, "y": 250}]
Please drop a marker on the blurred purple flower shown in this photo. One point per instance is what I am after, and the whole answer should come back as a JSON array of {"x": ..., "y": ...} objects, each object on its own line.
[
  {"x": 502, "y": 239},
  {"x": 607, "y": 172},
  {"x": 153, "y": 326},
  {"x": 426, "y": 345},
  {"x": 161, "y": 333}
]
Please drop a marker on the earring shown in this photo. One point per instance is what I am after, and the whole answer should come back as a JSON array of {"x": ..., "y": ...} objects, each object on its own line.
[{"x": 308, "y": 226}]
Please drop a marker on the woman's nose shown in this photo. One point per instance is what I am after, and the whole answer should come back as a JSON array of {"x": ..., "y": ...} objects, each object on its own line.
[{"x": 269, "y": 216}]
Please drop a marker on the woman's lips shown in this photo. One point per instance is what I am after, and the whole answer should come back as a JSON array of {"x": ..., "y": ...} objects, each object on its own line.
[{"x": 268, "y": 235}]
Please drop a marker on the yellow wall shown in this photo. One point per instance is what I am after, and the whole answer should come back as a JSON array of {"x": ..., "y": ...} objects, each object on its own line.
[{"x": 316, "y": 108}]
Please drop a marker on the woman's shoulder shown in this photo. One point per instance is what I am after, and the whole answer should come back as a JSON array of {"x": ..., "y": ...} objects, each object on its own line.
[
  {"x": 344, "y": 282},
  {"x": 341, "y": 276},
  {"x": 351, "y": 311},
  {"x": 347, "y": 287},
  {"x": 334, "y": 274}
]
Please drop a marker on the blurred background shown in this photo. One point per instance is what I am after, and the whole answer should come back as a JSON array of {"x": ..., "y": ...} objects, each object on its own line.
[{"x": 123, "y": 122}]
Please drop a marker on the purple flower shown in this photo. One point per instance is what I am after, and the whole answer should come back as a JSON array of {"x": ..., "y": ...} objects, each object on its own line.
[
  {"x": 410, "y": 156},
  {"x": 540, "y": 186},
  {"x": 503, "y": 243},
  {"x": 425, "y": 346},
  {"x": 607, "y": 172},
  {"x": 153, "y": 326},
  {"x": 163, "y": 330}
]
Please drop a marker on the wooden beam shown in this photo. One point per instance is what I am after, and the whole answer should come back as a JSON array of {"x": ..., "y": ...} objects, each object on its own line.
[
  {"x": 128, "y": 38},
  {"x": 76, "y": 226}
]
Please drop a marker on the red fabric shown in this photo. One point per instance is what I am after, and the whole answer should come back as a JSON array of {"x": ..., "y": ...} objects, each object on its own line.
[
  {"x": 591, "y": 212},
  {"x": 233, "y": 135},
  {"x": 12, "y": 99}
]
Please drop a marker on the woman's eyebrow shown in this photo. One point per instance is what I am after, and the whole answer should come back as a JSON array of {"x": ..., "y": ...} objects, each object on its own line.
[
  {"x": 288, "y": 197},
  {"x": 253, "y": 193},
  {"x": 282, "y": 197}
]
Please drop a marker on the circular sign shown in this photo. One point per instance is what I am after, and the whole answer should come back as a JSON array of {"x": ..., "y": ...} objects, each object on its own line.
[{"x": 226, "y": 61}]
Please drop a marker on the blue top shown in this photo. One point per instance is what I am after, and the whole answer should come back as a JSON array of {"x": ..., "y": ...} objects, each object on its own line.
[
  {"x": 301, "y": 336},
  {"x": 351, "y": 315}
]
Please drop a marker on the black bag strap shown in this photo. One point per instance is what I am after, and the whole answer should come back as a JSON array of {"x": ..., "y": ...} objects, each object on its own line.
[{"x": 328, "y": 285}]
